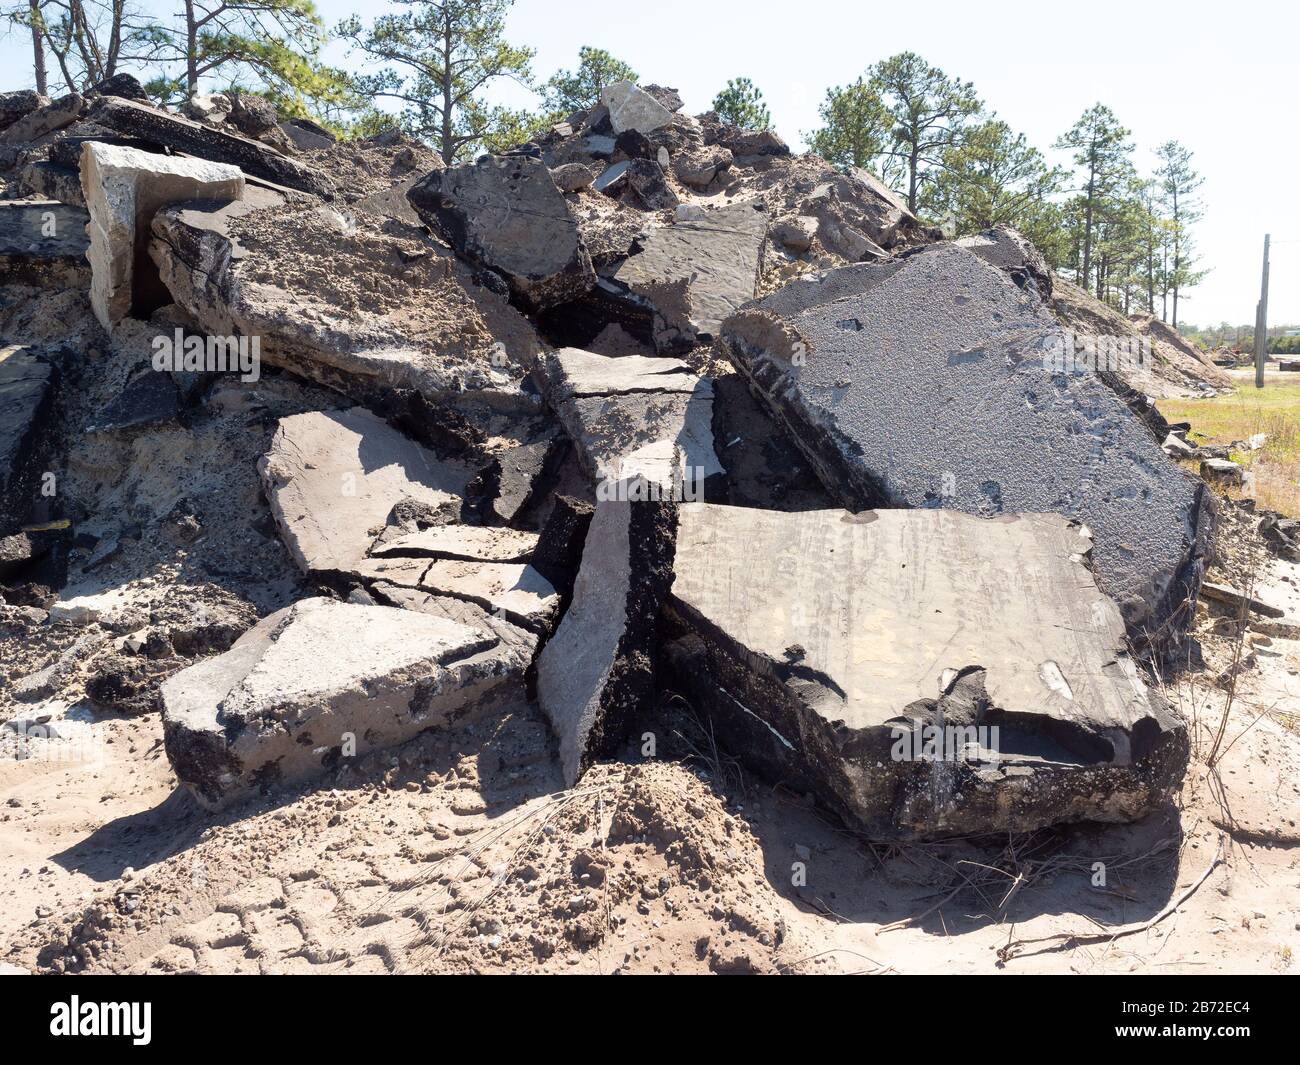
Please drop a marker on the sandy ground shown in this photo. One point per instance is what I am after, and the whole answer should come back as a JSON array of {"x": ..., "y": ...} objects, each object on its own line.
[{"x": 462, "y": 853}]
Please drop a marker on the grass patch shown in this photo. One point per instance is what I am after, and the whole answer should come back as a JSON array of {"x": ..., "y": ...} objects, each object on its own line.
[{"x": 1273, "y": 410}]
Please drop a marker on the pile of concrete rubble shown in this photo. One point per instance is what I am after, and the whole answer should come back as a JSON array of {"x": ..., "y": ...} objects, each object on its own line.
[{"x": 649, "y": 406}]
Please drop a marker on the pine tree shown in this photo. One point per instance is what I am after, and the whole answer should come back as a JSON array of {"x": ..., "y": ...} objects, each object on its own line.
[
  {"x": 267, "y": 46},
  {"x": 567, "y": 91},
  {"x": 854, "y": 127},
  {"x": 1102, "y": 152},
  {"x": 741, "y": 104},
  {"x": 901, "y": 119},
  {"x": 439, "y": 55},
  {"x": 995, "y": 177},
  {"x": 88, "y": 40},
  {"x": 1179, "y": 185},
  {"x": 929, "y": 112}
]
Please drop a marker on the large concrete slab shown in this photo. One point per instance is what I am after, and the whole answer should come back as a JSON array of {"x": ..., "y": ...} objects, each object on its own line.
[
  {"x": 134, "y": 119},
  {"x": 693, "y": 274},
  {"x": 334, "y": 477},
  {"x": 343, "y": 301},
  {"x": 931, "y": 381},
  {"x": 615, "y": 408},
  {"x": 829, "y": 647},
  {"x": 631, "y": 107},
  {"x": 321, "y": 682},
  {"x": 505, "y": 213},
  {"x": 123, "y": 189}
]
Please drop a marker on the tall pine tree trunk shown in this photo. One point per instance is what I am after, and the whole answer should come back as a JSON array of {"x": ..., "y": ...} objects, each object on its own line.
[
  {"x": 1178, "y": 256},
  {"x": 448, "y": 143},
  {"x": 191, "y": 50},
  {"x": 38, "y": 49},
  {"x": 1087, "y": 228}
]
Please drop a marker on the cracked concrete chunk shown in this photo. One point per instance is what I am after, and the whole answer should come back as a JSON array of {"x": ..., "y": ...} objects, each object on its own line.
[
  {"x": 614, "y": 408},
  {"x": 18, "y": 104},
  {"x": 693, "y": 274},
  {"x": 134, "y": 119},
  {"x": 45, "y": 119},
  {"x": 831, "y": 646},
  {"x": 505, "y": 213},
  {"x": 596, "y": 673},
  {"x": 320, "y": 682},
  {"x": 521, "y": 475},
  {"x": 631, "y": 107},
  {"x": 572, "y": 177},
  {"x": 796, "y": 234},
  {"x": 698, "y": 167},
  {"x": 306, "y": 135},
  {"x": 460, "y": 541},
  {"x": 333, "y": 478},
  {"x": 342, "y": 301},
  {"x": 559, "y": 546},
  {"x": 511, "y": 590},
  {"x": 1015, "y": 256},
  {"x": 857, "y": 203},
  {"x": 335, "y": 481},
  {"x": 42, "y": 244},
  {"x": 1223, "y": 471},
  {"x": 928, "y": 381},
  {"x": 645, "y": 187},
  {"x": 123, "y": 189},
  {"x": 54, "y": 182}
]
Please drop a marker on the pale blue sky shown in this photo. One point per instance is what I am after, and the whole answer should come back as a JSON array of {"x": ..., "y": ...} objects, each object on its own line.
[{"x": 1193, "y": 71}]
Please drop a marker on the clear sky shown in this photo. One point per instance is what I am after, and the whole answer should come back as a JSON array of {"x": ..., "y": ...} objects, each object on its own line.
[{"x": 1221, "y": 78}]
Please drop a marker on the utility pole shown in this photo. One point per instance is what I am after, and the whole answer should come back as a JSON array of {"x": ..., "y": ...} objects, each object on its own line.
[{"x": 1261, "y": 322}]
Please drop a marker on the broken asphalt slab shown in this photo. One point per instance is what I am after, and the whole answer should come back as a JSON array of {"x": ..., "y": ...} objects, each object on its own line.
[
  {"x": 694, "y": 273},
  {"x": 338, "y": 484},
  {"x": 43, "y": 244},
  {"x": 27, "y": 384},
  {"x": 596, "y": 674},
  {"x": 828, "y": 648},
  {"x": 929, "y": 381},
  {"x": 321, "y": 682},
  {"x": 506, "y": 214},
  {"x": 616, "y": 407},
  {"x": 631, "y": 107},
  {"x": 333, "y": 478},
  {"x": 134, "y": 119},
  {"x": 45, "y": 119},
  {"x": 296, "y": 282}
]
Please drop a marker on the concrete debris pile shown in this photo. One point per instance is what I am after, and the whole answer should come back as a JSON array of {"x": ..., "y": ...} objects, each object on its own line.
[{"x": 648, "y": 406}]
